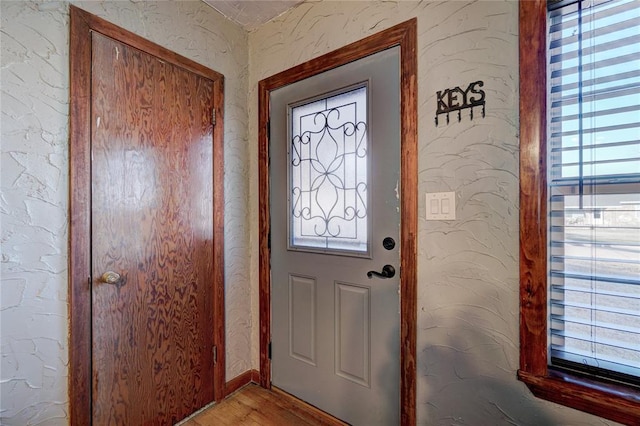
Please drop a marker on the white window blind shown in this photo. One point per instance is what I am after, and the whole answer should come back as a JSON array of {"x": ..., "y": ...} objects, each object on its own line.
[{"x": 593, "y": 176}]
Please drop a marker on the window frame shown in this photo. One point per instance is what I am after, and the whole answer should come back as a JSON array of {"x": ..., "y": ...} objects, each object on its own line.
[{"x": 610, "y": 400}]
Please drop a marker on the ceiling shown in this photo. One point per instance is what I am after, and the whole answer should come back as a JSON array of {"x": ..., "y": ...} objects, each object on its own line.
[{"x": 252, "y": 13}]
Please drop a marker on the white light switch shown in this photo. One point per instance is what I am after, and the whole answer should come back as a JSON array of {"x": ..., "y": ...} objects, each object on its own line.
[
  {"x": 435, "y": 207},
  {"x": 441, "y": 206}
]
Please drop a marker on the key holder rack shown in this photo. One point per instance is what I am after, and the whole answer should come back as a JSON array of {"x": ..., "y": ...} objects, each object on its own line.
[{"x": 457, "y": 99}]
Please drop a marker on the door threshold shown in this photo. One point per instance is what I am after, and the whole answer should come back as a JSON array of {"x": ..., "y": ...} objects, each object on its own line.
[{"x": 323, "y": 417}]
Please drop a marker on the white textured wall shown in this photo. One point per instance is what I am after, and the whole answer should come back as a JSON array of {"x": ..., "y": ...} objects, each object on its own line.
[
  {"x": 468, "y": 268},
  {"x": 34, "y": 206}
]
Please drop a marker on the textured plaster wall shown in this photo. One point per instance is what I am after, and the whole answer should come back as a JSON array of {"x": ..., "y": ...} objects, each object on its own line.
[
  {"x": 467, "y": 268},
  {"x": 34, "y": 179}
]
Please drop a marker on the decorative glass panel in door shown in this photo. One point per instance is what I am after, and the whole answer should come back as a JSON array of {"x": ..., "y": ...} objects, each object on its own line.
[{"x": 328, "y": 175}]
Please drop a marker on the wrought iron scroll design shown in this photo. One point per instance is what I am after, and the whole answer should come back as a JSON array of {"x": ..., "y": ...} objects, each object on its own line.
[
  {"x": 456, "y": 99},
  {"x": 333, "y": 194}
]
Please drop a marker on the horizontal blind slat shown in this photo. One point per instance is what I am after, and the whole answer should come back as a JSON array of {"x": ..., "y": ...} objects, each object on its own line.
[
  {"x": 559, "y": 87},
  {"x": 608, "y": 309},
  {"x": 600, "y": 357},
  {"x": 618, "y": 26},
  {"x": 600, "y": 259},
  {"x": 591, "y": 163},
  {"x": 599, "y": 48},
  {"x": 594, "y": 66},
  {"x": 620, "y": 364},
  {"x": 599, "y": 324},
  {"x": 587, "y": 18},
  {"x": 601, "y": 367},
  {"x": 598, "y": 129},
  {"x": 600, "y": 341},
  {"x": 630, "y": 89},
  {"x": 595, "y": 114},
  {"x": 610, "y": 243},
  {"x": 595, "y": 146},
  {"x": 616, "y": 280},
  {"x": 601, "y": 184}
]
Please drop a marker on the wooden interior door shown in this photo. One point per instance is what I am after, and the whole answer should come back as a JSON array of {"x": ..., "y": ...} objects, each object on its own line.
[{"x": 152, "y": 235}]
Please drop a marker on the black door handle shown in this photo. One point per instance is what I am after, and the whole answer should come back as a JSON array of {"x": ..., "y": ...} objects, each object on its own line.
[{"x": 388, "y": 271}]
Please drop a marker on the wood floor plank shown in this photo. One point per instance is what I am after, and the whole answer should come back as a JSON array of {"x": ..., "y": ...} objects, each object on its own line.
[
  {"x": 256, "y": 406},
  {"x": 291, "y": 413},
  {"x": 305, "y": 411},
  {"x": 284, "y": 416},
  {"x": 285, "y": 413}
]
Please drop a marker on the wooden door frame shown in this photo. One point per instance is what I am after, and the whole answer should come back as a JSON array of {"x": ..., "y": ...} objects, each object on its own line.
[
  {"x": 403, "y": 35},
  {"x": 79, "y": 300}
]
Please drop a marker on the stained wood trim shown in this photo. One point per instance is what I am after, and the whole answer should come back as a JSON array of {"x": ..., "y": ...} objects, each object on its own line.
[
  {"x": 250, "y": 376},
  {"x": 82, "y": 24},
  {"x": 219, "y": 369},
  {"x": 264, "y": 223},
  {"x": 408, "y": 222},
  {"x": 612, "y": 401},
  {"x": 79, "y": 221},
  {"x": 607, "y": 400},
  {"x": 533, "y": 189},
  {"x": 405, "y": 36},
  {"x": 108, "y": 29},
  {"x": 255, "y": 376}
]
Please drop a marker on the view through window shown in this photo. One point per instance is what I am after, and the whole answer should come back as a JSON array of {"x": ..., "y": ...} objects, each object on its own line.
[
  {"x": 593, "y": 178},
  {"x": 328, "y": 178}
]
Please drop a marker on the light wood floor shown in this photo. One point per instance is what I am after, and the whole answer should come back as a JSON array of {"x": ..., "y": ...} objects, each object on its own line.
[{"x": 256, "y": 406}]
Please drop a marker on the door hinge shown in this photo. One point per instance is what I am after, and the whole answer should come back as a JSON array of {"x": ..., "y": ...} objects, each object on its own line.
[
  {"x": 269, "y": 350},
  {"x": 215, "y": 355},
  {"x": 269, "y": 240},
  {"x": 213, "y": 117}
]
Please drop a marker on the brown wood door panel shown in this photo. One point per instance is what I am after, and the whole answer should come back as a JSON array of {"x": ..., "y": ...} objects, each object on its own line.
[
  {"x": 152, "y": 222},
  {"x": 170, "y": 326}
]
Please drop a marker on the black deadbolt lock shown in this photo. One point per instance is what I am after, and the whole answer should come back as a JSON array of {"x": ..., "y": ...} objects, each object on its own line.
[{"x": 388, "y": 243}]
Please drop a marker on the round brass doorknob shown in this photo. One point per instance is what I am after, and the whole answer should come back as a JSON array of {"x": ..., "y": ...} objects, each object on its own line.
[{"x": 110, "y": 277}]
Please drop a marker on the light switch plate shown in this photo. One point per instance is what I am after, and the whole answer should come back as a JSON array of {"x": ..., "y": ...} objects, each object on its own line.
[{"x": 440, "y": 206}]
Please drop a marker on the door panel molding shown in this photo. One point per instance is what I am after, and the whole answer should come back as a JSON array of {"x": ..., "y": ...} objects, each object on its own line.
[
  {"x": 405, "y": 36},
  {"x": 353, "y": 299},
  {"x": 302, "y": 323},
  {"x": 80, "y": 377}
]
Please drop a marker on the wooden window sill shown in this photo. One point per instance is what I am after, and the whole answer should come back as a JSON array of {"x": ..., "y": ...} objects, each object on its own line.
[{"x": 612, "y": 401}]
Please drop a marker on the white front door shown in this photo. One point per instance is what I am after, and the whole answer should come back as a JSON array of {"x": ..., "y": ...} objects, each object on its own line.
[{"x": 335, "y": 233}]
